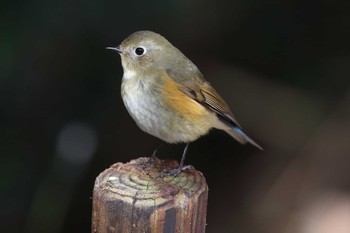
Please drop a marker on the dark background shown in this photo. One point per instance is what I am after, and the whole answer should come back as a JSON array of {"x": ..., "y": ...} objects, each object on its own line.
[{"x": 283, "y": 67}]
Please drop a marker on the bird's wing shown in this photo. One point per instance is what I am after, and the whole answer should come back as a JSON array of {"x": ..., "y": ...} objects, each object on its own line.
[{"x": 201, "y": 91}]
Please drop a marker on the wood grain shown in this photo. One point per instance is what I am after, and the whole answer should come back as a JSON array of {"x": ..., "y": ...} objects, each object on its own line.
[{"x": 135, "y": 198}]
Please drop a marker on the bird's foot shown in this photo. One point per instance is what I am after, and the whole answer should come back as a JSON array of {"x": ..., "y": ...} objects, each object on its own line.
[
  {"x": 174, "y": 172},
  {"x": 152, "y": 161}
]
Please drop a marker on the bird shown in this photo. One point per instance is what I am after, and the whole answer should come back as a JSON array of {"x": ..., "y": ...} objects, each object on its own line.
[{"x": 167, "y": 96}]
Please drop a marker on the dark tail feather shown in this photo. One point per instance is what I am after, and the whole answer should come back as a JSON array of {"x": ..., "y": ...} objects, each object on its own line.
[{"x": 240, "y": 136}]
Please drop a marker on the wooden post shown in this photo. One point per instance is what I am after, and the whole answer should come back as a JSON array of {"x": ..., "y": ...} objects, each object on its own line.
[{"x": 134, "y": 198}]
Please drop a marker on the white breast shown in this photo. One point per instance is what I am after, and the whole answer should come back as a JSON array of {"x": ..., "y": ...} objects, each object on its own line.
[
  {"x": 143, "y": 104},
  {"x": 140, "y": 103}
]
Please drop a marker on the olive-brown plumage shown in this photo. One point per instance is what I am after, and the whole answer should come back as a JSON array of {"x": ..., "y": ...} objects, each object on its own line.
[{"x": 166, "y": 94}]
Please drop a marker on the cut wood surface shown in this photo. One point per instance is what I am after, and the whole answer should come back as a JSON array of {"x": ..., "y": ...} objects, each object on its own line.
[{"x": 135, "y": 198}]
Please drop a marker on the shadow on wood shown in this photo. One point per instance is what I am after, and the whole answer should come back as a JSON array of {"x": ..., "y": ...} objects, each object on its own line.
[{"x": 134, "y": 198}]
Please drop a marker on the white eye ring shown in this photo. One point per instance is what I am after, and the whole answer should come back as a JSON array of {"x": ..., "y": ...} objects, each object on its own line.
[{"x": 139, "y": 51}]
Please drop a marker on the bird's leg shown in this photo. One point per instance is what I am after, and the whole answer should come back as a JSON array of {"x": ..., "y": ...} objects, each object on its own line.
[
  {"x": 153, "y": 158},
  {"x": 176, "y": 171},
  {"x": 183, "y": 157}
]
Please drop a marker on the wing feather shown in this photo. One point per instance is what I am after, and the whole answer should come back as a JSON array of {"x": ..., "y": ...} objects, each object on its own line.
[{"x": 201, "y": 91}]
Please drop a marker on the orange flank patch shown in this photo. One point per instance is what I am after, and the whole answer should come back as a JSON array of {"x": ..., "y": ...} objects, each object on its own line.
[{"x": 181, "y": 103}]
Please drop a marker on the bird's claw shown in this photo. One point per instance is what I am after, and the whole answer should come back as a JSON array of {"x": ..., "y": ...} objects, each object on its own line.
[{"x": 174, "y": 172}]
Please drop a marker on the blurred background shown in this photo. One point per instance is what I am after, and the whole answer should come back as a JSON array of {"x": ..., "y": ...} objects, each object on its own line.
[{"x": 283, "y": 67}]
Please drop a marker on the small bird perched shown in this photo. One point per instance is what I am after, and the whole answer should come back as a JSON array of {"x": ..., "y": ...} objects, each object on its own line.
[{"x": 167, "y": 95}]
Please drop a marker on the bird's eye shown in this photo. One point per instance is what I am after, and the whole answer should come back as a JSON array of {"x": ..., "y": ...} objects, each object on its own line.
[{"x": 139, "y": 51}]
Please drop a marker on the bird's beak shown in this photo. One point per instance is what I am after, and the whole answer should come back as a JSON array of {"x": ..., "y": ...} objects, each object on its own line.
[{"x": 115, "y": 49}]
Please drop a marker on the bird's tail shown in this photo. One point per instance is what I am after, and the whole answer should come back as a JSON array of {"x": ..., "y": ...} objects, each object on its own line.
[{"x": 238, "y": 134}]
